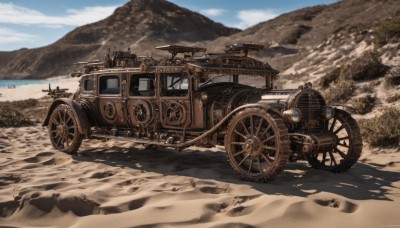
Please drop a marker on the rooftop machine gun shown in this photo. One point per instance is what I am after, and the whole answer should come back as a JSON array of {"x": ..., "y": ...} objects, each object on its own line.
[{"x": 57, "y": 93}]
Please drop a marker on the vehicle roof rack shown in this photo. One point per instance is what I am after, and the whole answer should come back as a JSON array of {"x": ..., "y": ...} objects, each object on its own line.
[
  {"x": 94, "y": 62},
  {"x": 240, "y": 48},
  {"x": 176, "y": 49}
]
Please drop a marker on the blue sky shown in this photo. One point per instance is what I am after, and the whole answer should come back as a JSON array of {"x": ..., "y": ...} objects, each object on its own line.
[{"x": 36, "y": 23}]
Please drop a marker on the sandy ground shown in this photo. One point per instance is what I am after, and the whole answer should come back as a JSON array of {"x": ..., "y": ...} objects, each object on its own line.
[
  {"x": 35, "y": 91},
  {"x": 114, "y": 184}
]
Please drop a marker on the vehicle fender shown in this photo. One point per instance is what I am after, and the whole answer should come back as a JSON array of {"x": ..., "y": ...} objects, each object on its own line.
[
  {"x": 256, "y": 105},
  {"x": 226, "y": 119},
  {"x": 238, "y": 109},
  {"x": 80, "y": 115}
]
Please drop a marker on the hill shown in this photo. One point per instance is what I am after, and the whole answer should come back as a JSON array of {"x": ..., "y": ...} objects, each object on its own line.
[
  {"x": 139, "y": 24},
  {"x": 349, "y": 50}
]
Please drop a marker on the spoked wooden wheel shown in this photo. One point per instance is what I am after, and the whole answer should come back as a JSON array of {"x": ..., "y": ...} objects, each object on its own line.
[
  {"x": 348, "y": 145},
  {"x": 63, "y": 130},
  {"x": 257, "y": 144}
]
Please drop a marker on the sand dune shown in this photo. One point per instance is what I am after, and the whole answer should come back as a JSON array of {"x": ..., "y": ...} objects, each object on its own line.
[{"x": 114, "y": 184}]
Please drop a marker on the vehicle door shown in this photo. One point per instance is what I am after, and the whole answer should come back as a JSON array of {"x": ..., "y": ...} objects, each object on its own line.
[
  {"x": 141, "y": 103},
  {"x": 111, "y": 100},
  {"x": 174, "y": 102},
  {"x": 88, "y": 97}
]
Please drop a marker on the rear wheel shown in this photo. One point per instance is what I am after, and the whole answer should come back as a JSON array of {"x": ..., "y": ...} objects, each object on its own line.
[
  {"x": 63, "y": 130},
  {"x": 347, "y": 149},
  {"x": 257, "y": 144}
]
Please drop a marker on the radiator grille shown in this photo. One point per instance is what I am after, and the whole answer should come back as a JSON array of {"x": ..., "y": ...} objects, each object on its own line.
[{"x": 310, "y": 105}]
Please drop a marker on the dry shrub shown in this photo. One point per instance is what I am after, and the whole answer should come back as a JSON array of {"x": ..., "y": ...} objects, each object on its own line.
[
  {"x": 393, "y": 77},
  {"x": 393, "y": 98},
  {"x": 340, "y": 91},
  {"x": 23, "y": 104},
  {"x": 12, "y": 113},
  {"x": 364, "y": 104},
  {"x": 293, "y": 36},
  {"x": 369, "y": 88},
  {"x": 383, "y": 130},
  {"x": 366, "y": 67},
  {"x": 328, "y": 78},
  {"x": 11, "y": 117},
  {"x": 387, "y": 31}
]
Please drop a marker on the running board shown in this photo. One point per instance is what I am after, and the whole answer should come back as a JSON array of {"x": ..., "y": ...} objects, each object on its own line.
[{"x": 138, "y": 140}]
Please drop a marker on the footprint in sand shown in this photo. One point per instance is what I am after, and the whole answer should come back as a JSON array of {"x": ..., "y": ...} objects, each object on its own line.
[
  {"x": 77, "y": 204},
  {"x": 101, "y": 175},
  {"x": 9, "y": 178},
  {"x": 234, "y": 208},
  {"x": 343, "y": 205},
  {"x": 213, "y": 189},
  {"x": 8, "y": 208},
  {"x": 120, "y": 207},
  {"x": 44, "y": 158},
  {"x": 218, "y": 207}
]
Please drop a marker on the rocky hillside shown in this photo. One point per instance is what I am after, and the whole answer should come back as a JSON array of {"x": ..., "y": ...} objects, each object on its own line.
[
  {"x": 350, "y": 50},
  {"x": 339, "y": 26},
  {"x": 139, "y": 24}
]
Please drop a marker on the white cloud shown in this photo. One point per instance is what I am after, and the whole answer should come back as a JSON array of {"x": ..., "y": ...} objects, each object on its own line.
[
  {"x": 213, "y": 12},
  {"x": 9, "y": 36},
  {"x": 13, "y": 14},
  {"x": 252, "y": 17}
]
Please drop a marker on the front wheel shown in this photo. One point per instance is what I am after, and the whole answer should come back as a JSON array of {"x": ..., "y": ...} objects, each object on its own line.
[
  {"x": 63, "y": 130},
  {"x": 347, "y": 149},
  {"x": 257, "y": 144}
]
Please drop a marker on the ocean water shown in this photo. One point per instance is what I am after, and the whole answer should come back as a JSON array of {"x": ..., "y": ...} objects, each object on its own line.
[{"x": 22, "y": 82}]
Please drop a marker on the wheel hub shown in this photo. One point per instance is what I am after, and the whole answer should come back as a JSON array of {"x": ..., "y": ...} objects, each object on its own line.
[
  {"x": 253, "y": 146},
  {"x": 62, "y": 130}
]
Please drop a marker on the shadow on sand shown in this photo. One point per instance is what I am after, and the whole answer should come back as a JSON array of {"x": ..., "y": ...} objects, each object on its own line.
[{"x": 363, "y": 182}]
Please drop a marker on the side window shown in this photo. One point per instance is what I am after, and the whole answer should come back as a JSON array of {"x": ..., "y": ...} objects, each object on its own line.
[
  {"x": 88, "y": 85},
  {"x": 109, "y": 85},
  {"x": 142, "y": 85},
  {"x": 175, "y": 84}
]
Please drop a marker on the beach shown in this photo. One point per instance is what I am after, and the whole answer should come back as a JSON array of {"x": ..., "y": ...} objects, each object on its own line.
[{"x": 34, "y": 91}]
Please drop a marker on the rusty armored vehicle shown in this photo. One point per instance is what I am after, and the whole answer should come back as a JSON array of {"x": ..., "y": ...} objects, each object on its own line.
[{"x": 196, "y": 99}]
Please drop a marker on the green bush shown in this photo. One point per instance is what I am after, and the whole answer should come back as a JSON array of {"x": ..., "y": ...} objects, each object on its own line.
[
  {"x": 364, "y": 104},
  {"x": 366, "y": 67},
  {"x": 383, "y": 130},
  {"x": 340, "y": 91}
]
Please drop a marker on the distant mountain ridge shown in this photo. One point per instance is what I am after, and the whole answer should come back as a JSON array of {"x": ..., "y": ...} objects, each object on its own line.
[
  {"x": 303, "y": 44},
  {"x": 139, "y": 24}
]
